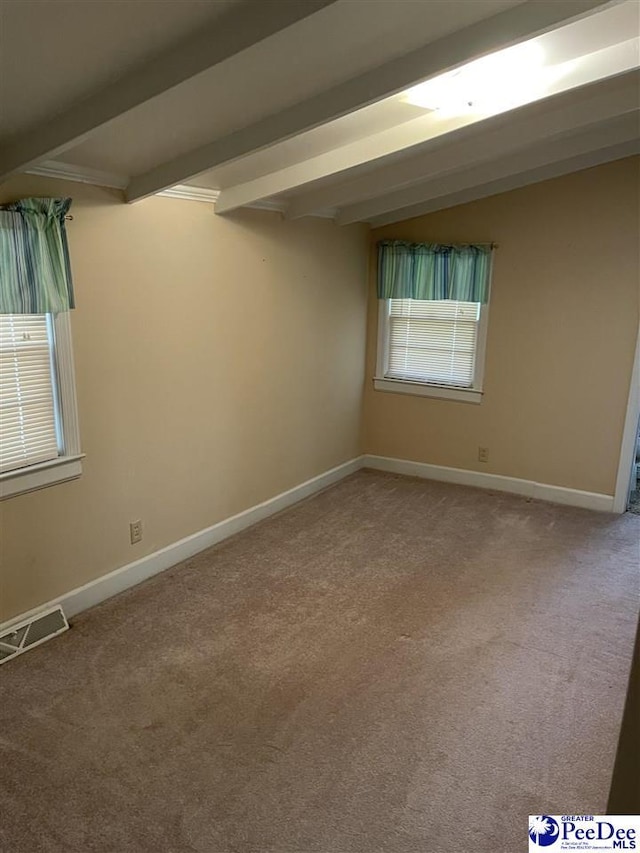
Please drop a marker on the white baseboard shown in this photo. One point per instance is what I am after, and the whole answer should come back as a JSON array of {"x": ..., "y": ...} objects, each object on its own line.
[
  {"x": 106, "y": 586},
  {"x": 497, "y": 482},
  {"x": 134, "y": 573}
]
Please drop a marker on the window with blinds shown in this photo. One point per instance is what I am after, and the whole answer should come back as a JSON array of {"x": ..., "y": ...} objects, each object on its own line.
[
  {"x": 432, "y": 341},
  {"x": 28, "y": 422}
]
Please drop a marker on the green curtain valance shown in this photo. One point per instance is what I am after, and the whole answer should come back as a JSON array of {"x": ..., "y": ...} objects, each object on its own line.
[
  {"x": 429, "y": 271},
  {"x": 35, "y": 273}
]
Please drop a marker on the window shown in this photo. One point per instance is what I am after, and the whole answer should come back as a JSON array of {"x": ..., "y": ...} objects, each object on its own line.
[
  {"x": 432, "y": 348},
  {"x": 39, "y": 441}
]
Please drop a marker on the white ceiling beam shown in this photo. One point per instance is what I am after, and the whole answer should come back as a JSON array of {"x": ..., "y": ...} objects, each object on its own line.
[
  {"x": 238, "y": 29},
  {"x": 620, "y": 131},
  {"x": 533, "y": 131},
  {"x": 419, "y": 133},
  {"x": 479, "y": 142},
  {"x": 338, "y": 160},
  {"x": 516, "y": 24},
  {"x": 512, "y": 182}
]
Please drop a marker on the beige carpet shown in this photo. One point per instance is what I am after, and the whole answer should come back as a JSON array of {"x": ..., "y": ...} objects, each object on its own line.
[{"x": 393, "y": 665}]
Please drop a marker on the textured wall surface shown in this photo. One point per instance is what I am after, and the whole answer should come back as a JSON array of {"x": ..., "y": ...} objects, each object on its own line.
[
  {"x": 219, "y": 362},
  {"x": 563, "y": 323}
]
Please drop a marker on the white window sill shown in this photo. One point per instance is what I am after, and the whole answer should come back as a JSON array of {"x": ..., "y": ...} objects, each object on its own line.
[
  {"x": 40, "y": 476},
  {"x": 421, "y": 389}
]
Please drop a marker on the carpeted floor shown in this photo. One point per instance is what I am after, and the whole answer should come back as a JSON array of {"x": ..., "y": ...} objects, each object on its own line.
[{"x": 393, "y": 665}]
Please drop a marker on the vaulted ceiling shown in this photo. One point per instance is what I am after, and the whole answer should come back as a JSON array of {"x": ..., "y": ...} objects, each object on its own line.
[{"x": 362, "y": 110}]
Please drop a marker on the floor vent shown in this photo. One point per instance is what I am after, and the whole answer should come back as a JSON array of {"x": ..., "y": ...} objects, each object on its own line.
[{"x": 25, "y": 635}]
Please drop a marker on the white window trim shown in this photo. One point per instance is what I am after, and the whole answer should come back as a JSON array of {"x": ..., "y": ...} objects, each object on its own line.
[
  {"x": 69, "y": 465},
  {"x": 381, "y": 382}
]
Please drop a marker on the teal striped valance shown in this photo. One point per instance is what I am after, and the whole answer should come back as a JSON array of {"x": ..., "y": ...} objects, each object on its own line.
[
  {"x": 430, "y": 271},
  {"x": 35, "y": 274}
]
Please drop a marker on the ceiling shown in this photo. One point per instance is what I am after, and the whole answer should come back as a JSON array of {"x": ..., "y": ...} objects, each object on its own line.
[{"x": 310, "y": 106}]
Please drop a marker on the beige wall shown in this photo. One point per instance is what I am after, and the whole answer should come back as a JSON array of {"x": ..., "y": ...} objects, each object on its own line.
[
  {"x": 562, "y": 332},
  {"x": 219, "y": 362}
]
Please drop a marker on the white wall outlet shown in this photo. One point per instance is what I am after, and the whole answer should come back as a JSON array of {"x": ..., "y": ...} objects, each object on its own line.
[
  {"x": 135, "y": 531},
  {"x": 483, "y": 454}
]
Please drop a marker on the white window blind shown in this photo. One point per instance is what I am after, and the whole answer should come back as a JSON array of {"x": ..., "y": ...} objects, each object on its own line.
[
  {"x": 433, "y": 341},
  {"x": 28, "y": 432}
]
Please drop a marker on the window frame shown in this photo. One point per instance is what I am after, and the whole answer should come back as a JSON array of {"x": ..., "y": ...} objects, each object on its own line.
[
  {"x": 68, "y": 465},
  {"x": 382, "y": 382}
]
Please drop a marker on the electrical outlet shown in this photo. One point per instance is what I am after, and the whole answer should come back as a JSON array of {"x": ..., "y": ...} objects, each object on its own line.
[
  {"x": 135, "y": 531},
  {"x": 483, "y": 454}
]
